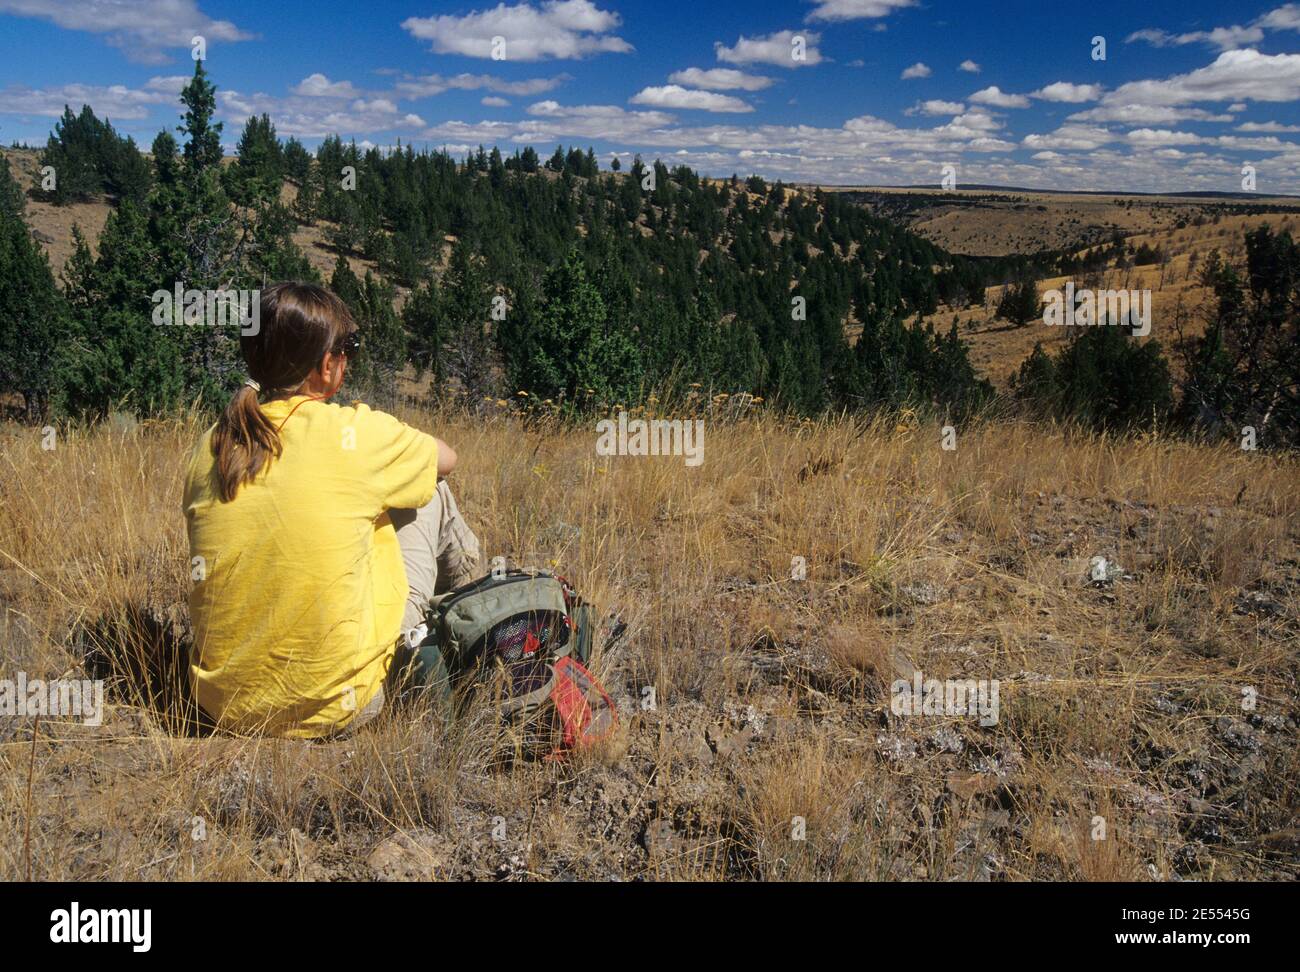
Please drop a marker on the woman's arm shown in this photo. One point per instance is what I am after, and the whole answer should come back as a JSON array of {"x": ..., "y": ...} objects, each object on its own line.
[{"x": 446, "y": 458}]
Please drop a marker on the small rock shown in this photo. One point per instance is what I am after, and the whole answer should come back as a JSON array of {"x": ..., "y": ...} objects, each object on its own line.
[
  {"x": 1276, "y": 723},
  {"x": 695, "y": 746},
  {"x": 1166, "y": 705},
  {"x": 922, "y": 594},
  {"x": 1237, "y": 734},
  {"x": 902, "y": 665},
  {"x": 1102, "y": 572},
  {"x": 896, "y": 749},
  {"x": 660, "y": 839},
  {"x": 947, "y": 740},
  {"x": 1257, "y": 602},
  {"x": 730, "y": 745},
  {"x": 967, "y": 785},
  {"x": 406, "y": 857}
]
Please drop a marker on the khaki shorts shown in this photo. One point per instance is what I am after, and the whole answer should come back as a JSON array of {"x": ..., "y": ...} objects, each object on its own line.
[{"x": 439, "y": 552}]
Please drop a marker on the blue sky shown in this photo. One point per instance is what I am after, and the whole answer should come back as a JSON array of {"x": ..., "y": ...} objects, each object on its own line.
[{"x": 834, "y": 91}]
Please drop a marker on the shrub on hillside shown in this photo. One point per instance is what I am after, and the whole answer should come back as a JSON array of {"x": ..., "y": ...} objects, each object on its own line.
[
  {"x": 89, "y": 158},
  {"x": 1245, "y": 369},
  {"x": 1019, "y": 304},
  {"x": 1104, "y": 378}
]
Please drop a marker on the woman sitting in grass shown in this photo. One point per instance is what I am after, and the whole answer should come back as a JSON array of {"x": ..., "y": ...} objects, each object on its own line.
[{"x": 318, "y": 533}]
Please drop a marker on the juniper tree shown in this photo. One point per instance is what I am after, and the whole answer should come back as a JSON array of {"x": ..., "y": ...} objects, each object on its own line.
[
  {"x": 297, "y": 161},
  {"x": 563, "y": 346},
  {"x": 1245, "y": 369},
  {"x": 259, "y": 170},
  {"x": 383, "y": 342},
  {"x": 202, "y": 135},
  {"x": 423, "y": 322},
  {"x": 1104, "y": 378},
  {"x": 1019, "y": 304},
  {"x": 466, "y": 325},
  {"x": 117, "y": 357},
  {"x": 33, "y": 317},
  {"x": 87, "y": 158}
]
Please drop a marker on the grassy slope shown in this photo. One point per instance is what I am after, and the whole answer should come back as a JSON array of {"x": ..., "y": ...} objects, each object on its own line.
[
  {"x": 772, "y": 694},
  {"x": 997, "y": 349}
]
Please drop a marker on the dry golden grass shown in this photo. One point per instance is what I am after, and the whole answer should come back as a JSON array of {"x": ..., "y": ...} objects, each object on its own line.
[{"x": 772, "y": 719}]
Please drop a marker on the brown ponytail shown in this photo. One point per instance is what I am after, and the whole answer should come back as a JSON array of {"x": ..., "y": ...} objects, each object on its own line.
[{"x": 298, "y": 324}]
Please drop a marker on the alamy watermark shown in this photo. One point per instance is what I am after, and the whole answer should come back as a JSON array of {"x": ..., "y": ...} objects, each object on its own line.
[
  {"x": 951, "y": 697},
  {"x": 74, "y": 698},
  {"x": 1083, "y": 308},
  {"x": 75, "y": 925},
  {"x": 651, "y": 437},
  {"x": 208, "y": 308}
]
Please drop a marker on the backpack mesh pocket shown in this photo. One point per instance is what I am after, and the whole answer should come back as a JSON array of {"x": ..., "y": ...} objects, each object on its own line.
[{"x": 526, "y": 645}]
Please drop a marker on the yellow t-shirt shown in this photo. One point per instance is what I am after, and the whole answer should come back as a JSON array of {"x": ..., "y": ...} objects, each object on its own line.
[{"x": 299, "y": 605}]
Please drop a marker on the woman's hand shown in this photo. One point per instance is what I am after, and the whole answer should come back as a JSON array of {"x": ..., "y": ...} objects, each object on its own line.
[{"x": 446, "y": 458}]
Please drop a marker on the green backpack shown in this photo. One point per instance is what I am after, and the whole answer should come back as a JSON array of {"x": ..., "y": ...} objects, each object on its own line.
[{"x": 530, "y": 635}]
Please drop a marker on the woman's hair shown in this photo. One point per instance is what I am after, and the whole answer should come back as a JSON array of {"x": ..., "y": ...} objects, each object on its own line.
[{"x": 299, "y": 323}]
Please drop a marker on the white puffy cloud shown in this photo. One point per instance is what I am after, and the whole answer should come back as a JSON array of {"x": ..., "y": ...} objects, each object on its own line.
[
  {"x": 551, "y": 119},
  {"x": 1271, "y": 126},
  {"x": 1147, "y": 115},
  {"x": 1224, "y": 38},
  {"x": 142, "y": 29},
  {"x": 318, "y": 106},
  {"x": 936, "y": 107},
  {"x": 969, "y": 66},
  {"x": 975, "y": 128},
  {"x": 995, "y": 96},
  {"x": 917, "y": 70},
  {"x": 779, "y": 49},
  {"x": 855, "y": 9},
  {"x": 379, "y": 105},
  {"x": 1160, "y": 138},
  {"x": 556, "y": 29},
  {"x": 315, "y": 116},
  {"x": 319, "y": 86},
  {"x": 1071, "y": 137},
  {"x": 428, "y": 85},
  {"x": 114, "y": 101},
  {"x": 492, "y": 101},
  {"x": 1286, "y": 17},
  {"x": 1240, "y": 75},
  {"x": 720, "y": 79},
  {"x": 675, "y": 96},
  {"x": 1064, "y": 91},
  {"x": 1239, "y": 144}
]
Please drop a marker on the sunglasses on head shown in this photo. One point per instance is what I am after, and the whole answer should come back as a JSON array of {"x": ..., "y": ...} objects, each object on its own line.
[{"x": 349, "y": 345}]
